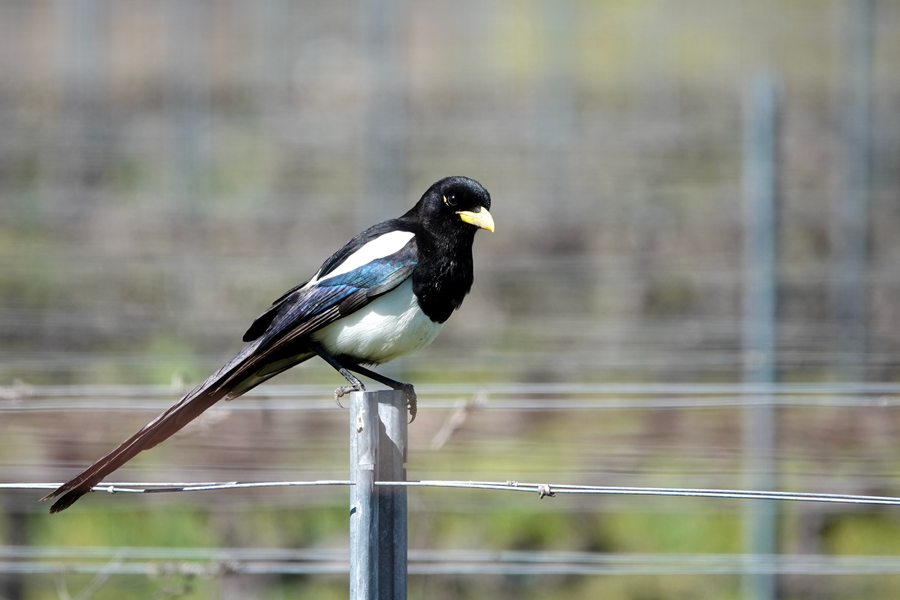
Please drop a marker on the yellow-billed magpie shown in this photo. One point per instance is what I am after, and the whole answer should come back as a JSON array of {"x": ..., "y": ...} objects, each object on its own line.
[{"x": 385, "y": 294}]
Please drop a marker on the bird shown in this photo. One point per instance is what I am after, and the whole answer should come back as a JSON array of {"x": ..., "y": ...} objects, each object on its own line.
[{"x": 386, "y": 293}]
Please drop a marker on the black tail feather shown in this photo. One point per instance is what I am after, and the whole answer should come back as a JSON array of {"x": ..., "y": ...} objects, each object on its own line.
[{"x": 231, "y": 380}]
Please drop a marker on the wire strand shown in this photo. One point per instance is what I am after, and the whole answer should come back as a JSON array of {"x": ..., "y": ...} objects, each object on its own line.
[
  {"x": 542, "y": 489},
  {"x": 509, "y": 397},
  {"x": 217, "y": 561}
]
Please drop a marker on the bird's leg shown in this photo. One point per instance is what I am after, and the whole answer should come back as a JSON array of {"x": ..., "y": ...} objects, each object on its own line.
[
  {"x": 355, "y": 384},
  {"x": 407, "y": 388}
]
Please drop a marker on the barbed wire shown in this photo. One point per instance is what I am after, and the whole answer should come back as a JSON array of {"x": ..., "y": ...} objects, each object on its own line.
[{"x": 542, "y": 489}]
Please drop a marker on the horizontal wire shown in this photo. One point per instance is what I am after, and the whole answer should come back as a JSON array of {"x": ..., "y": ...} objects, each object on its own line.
[
  {"x": 542, "y": 489},
  {"x": 275, "y": 390},
  {"x": 596, "y": 396},
  {"x": 152, "y": 488},
  {"x": 217, "y": 561},
  {"x": 517, "y": 404}
]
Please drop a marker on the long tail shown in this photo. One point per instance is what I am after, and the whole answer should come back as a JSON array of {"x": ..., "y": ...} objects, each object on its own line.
[{"x": 241, "y": 374}]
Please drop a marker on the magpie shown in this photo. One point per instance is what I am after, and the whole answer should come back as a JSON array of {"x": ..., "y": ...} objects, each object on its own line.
[{"x": 385, "y": 294}]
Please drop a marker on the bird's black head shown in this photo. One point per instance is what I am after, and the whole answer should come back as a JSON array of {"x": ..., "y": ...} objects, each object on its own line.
[
  {"x": 455, "y": 206},
  {"x": 445, "y": 220}
]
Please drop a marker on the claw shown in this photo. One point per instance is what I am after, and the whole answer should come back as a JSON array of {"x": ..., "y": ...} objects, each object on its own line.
[
  {"x": 344, "y": 390},
  {"x": 411, "y": 403}
]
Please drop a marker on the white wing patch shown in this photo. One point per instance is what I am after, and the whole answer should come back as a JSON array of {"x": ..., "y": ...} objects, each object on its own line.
[{"x": 383, "y": 245}]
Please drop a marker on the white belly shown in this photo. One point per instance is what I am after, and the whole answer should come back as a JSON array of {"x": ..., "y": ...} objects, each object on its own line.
[{"x": 389, "y": 327}]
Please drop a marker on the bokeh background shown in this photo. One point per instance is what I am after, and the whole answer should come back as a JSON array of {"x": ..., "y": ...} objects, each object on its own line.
[{"x": 168, "y": 168}]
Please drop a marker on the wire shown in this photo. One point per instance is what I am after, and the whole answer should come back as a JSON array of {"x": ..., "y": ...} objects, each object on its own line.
[
  {"x": 556, "y": 397},
  {"x": 275, "y": 390},
  {"x": 216, "y": 561},
  {"x": 542, "y": 489}
]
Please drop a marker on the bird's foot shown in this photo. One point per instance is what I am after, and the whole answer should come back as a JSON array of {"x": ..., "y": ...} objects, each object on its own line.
[
  {"x": 346, "y": 389},
  {"x": 410, "y": 400}
]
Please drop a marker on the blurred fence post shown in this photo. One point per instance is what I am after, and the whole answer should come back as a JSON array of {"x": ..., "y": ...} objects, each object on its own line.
[
  {"x": 378, "y": 540},
  {"x": 15, "y": 534},
  {"x": 383, "y": 186},
  {"x": 851, "y": 215},
  {"x": 556, "y": 126},
  {"x": 82, "y": 153},
  {"x": 187, "y": 100},
  {"x": 760, "y": 180}
]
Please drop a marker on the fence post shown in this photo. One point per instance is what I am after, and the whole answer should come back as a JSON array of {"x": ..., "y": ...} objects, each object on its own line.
[
  {"x": 760, "y": 180},
  {"x": 851, "y": 217},
  {"x": 378, "y": 432},
  {"x": 384, "y": 160}
]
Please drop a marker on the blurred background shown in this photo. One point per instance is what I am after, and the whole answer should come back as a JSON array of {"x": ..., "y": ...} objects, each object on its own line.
[{"x": 697, "y": 206}]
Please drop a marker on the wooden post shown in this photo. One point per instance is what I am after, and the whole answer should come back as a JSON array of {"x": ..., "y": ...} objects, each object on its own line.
[{"x": 378, "y": 542}]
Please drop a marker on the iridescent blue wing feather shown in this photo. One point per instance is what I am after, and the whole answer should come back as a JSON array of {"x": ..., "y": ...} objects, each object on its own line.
[{"x": 324, "y": 301}]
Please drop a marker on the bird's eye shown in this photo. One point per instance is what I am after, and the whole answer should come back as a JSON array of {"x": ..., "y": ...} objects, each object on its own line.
[{"x": 450, "y": 200}]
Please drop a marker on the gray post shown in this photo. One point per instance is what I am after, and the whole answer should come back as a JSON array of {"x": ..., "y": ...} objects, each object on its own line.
[
  {"x": 378, "y": 428},
  {"x": 187, "y": 102},
  {"x": 852, "y": 210},
  {"x": 383, "y": 186},
  {"x": 760, "y": 182}
]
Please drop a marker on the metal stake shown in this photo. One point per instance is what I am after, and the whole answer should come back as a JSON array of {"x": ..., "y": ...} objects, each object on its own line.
[
  {"x": 760, "y": 314},
  {"x": 378, "y": 546}
]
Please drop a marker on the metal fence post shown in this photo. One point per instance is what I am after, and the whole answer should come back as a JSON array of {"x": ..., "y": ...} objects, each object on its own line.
[
  {"x": 378, "y": 546},
  {"x": 851, "y": 218},
  {"x": 760, "y": 175},
  {"x": 383, "y": 185}
]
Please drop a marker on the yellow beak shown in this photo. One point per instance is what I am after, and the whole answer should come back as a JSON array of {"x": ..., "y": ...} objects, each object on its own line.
[{"x": 480, "y": 218}]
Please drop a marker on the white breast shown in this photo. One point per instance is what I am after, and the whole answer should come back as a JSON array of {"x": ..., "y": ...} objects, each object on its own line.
[{"x": 391, "y": 326}]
